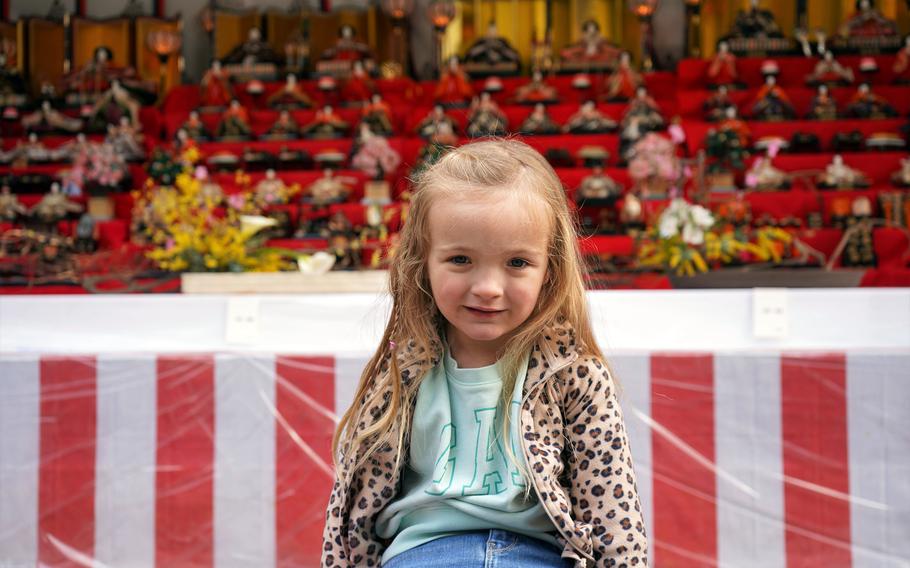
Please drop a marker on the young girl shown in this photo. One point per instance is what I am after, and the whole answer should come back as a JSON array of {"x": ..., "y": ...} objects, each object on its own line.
[{"x": 486, "y": 429}]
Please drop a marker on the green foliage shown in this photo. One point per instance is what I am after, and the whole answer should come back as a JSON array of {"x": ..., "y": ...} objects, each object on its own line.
[
  {"x": 429, "y": 155},
  {"x": 725, "y": 152},
  {"x": 163, "y": 168}
]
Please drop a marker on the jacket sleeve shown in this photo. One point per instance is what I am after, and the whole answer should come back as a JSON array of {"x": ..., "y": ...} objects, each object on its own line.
[
  {"x": 347, "y": 539},
  {"x": 601, "y": 480},
  {"x": 334, "y": 537}
]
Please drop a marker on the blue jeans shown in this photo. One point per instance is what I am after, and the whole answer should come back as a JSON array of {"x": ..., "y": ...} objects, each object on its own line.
[{"x": 482, "y": 549}]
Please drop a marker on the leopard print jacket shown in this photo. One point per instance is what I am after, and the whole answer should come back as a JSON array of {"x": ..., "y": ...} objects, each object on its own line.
[{"x": 575, "y": 442}]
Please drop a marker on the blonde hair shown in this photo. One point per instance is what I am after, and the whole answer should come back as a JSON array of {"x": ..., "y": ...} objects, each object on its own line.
[{"x": 473, "y": 170}]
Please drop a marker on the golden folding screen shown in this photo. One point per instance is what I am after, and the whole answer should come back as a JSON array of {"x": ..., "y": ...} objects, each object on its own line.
[{"x": 49, "y": 39}]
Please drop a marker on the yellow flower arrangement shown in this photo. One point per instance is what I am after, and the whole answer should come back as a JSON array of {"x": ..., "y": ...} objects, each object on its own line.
[
  {"x": 189, "y": 231},
  {"x": 191, "y": 154},
  {"x": 687, "y": 240}
]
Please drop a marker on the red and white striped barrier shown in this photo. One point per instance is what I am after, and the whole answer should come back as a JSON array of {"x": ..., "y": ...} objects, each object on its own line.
[{"x": 765, "y": 459}]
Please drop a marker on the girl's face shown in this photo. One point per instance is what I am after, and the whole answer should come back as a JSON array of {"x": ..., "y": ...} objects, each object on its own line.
[{"x": 487, "y": 263}]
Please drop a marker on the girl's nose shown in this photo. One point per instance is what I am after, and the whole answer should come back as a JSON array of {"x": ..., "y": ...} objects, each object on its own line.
[{"x": 487, "y": 284}]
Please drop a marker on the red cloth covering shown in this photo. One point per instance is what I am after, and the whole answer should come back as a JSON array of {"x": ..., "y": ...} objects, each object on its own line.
[
  {"x": 692, "y": 73},
  {"x": 355, "y": 213},
  {"x": 123, "y": 205},
  {"x": 312, "y": 146},
  {"x": 516, "y": 114},
  {"x": 111, "y": 233},
  {"x": 407, "y": 97},
  {"x": 181, "y": 100},
  {"x": 31, "y": 199},
  {"x": 892, "y": 247},
  {"x": 53, "y": 141},
  {"x": 572, "y": 177},
  {"x": 403, "y": 91},
  {"x": 137, "y": 171},
  {"x": 887, "y": 278},
  {"x": 300, "y": 244},
  {"x": 643, "y": 282},
  {"x": 823, "y": 240},
  {"x": 405, "y": 147},
  {"x": 358, "y": 88},
  {"x": 260, "y": 120},
  {"x": 150, "y": 118},
  {"x": 878, "y": 166},
  {"x": 410, "y": 147},
  {"x": 169, "y": 286},
  {"x": 303, "y": 178},
  {"x": 55, "y": 290},
  {"x": 800, "y": 204},
  {"x": 366, "y": 253},
  {"x": 691, "y": 102},
  {"x": 825, "y": 130},
  {"x": 573, "y": 143},
  {"x": 615, "y": 245}
]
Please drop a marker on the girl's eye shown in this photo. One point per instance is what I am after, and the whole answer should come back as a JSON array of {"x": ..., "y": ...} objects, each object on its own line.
[
  {"x": 459, "y": 259},
  {"x": 518, "y": 263}
]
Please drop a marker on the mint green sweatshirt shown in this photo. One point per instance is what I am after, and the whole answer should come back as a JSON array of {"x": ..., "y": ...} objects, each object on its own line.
[{"x": 459, "y": 477}]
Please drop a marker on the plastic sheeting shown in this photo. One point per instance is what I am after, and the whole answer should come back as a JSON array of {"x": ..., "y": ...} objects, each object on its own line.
[{"x": 744, "y": 458}]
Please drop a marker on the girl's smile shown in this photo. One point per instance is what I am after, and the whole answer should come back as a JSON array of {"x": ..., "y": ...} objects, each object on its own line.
[{"x": 484, "y": 312}]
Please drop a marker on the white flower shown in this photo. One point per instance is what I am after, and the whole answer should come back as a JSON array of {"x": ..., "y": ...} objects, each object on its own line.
[
  {"x": 252, "y": 224},
  {"x": 317, "y": 263},
  {"x": 701, "y": 216},
  {"x": 692, "y": 219},
  {"x": 693, "y": 235},
  {"x": 678, "y": 208},
  {"x": 668, "y": 226}
]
